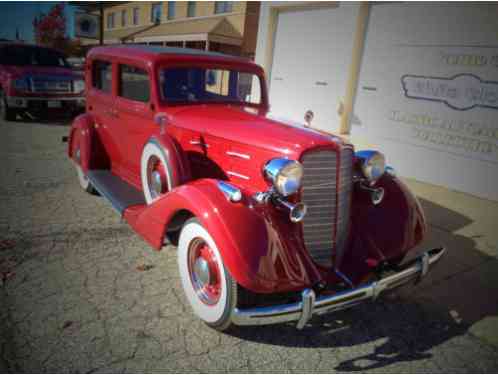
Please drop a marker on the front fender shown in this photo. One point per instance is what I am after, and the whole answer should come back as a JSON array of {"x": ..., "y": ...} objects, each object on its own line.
[
  {"x": 250, "y": 244},
  {"x": 383, "y": 232}
]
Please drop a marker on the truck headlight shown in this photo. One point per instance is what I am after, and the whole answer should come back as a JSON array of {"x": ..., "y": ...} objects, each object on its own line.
[
  {"x": 21, "y": 84},
  {"x": 373, "y": 164},
  {"x": 285, "y": 175},
  {"x": 79, "y": 86}
]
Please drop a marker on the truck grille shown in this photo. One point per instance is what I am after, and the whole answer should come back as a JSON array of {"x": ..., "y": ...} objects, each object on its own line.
[
  {"x": 51, "y": 86},
  {"x": 325, "y": 227}
]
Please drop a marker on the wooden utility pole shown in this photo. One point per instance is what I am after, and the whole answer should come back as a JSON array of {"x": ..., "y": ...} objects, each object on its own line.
[{"x": 101, "y": 24}]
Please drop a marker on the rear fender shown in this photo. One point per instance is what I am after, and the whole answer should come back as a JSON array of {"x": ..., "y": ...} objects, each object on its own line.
[
  {"x": 249, "y": 243},
  {"x": 84, "y": 136}
]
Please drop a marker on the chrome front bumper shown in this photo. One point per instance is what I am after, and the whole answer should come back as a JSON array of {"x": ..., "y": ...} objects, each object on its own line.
[{"x": 310, "y": 304}]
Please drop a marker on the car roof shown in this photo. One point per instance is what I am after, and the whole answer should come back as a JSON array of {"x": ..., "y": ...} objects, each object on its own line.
[{"x": 155, "y": 52}]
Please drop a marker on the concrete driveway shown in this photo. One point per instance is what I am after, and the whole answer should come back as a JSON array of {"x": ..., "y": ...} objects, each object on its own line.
[{"x": 80, "y": 292}]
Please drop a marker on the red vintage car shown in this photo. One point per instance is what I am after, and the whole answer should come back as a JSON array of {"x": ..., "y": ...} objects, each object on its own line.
[
  {"x": 37, "y": 79},
  {"x": 273, "y": 222}
]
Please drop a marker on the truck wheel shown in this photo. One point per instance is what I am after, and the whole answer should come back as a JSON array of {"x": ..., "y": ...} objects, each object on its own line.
[
  {"x": 6, "y": 113},
  {"x": 155, "y": 173},
  {"x": 209, "y": 288}
]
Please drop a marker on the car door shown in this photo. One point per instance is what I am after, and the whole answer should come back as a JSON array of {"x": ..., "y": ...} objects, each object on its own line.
[
  {"x": 134, "y": 112},
  {"x": 100, "y": 103}
]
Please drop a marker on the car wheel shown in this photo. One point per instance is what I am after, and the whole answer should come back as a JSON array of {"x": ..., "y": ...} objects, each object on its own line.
[
  {"x": 83, "y": 178},
  {"x": 207, "y": 284},
  {"x": 6, "y": 113},
  {"x": 155, "y": 173}
]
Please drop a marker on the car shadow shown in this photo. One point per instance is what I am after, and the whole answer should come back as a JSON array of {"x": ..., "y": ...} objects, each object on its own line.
[{"x": 406, "y": 324}]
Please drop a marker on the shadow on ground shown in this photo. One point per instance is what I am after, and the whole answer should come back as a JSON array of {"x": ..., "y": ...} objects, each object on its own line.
[
  {"x": 407, "y": 324},
  {"x": 47, "y": 119}
]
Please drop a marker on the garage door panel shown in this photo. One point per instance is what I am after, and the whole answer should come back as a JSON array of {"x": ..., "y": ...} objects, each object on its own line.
[{"x": 310, "y": 63}]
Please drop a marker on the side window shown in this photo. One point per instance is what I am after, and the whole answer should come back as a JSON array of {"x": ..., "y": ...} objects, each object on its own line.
[
  {"x": 248, "y": 88},
  {"x": 102, "y": 76},
  {"x": 134, "y": 83}
]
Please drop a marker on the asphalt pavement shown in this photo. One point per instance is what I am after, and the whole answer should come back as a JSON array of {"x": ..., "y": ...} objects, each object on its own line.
[{"x": 81, "y": 292}]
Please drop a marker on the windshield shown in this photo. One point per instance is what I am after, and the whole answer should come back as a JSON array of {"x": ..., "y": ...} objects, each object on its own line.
[
  {"x": 195, "y": 85},
  {"x": 27, "y": 55}
]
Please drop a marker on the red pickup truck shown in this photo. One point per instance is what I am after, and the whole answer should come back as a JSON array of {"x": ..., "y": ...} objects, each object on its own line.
[{"x": 36, "y": 79}]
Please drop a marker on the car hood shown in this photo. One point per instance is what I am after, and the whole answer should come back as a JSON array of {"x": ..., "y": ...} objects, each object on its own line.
[
  {"x": 259, "y": 129},
  {"x": 30, "y": 70}
]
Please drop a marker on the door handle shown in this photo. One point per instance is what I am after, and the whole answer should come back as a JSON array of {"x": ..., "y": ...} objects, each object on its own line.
[{"x": 198, "y": 143}]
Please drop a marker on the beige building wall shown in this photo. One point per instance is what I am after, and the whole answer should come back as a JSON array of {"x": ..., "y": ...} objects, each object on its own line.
[
  {"x": 244, "y": 18},
  {"x": 203, "y": 9}
]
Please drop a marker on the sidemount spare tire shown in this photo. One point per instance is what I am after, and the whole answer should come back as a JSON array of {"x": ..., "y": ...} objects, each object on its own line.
[{"x": 161, "y": 168}]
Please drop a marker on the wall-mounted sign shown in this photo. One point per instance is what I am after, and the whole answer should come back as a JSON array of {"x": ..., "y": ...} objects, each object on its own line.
[
  {"x": 461, "y": 92},
  {"x": 434, "y": 112},
  {"x": 86, "y": 25}
]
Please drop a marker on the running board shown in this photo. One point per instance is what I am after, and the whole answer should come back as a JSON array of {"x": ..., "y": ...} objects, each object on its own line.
[{"x": 119, "y": 193}]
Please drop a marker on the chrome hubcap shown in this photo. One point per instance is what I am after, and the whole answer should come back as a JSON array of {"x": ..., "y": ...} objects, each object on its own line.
[
  {"x": 201, "y": 269},
  {"x": 157, "y": 185},
  {"x": 204, "y": 272},
  {"x": 156, "y": 176}
]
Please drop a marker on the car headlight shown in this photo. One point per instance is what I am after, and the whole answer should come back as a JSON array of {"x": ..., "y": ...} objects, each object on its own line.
[
  {"x": 79, "y": 86},
  {"x": 21, "y": 84},
  {"x": 285, "y": 175},
  {"x": 373, "y": 164}
]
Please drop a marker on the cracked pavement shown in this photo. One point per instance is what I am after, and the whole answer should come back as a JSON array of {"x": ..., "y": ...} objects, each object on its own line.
[{"x": 73, "y": 300}]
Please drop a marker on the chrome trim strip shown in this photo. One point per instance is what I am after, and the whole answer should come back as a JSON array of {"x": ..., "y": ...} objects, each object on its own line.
[
  {"x": 239, "y": 155},
  {"x": 302, "y": 311},
  {"x": 237, "y": 175}
]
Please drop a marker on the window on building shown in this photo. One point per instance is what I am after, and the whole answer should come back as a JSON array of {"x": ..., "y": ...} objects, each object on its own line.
[
  {"x": 171, "y": 10},
  {"x": 110, "y": 20},
  {"x": 155, "y": 14},
  {"x": 136, "y": 15},
  {"x": 134, "y": 83},
  {"x": 223, "y": 7},
  {"x": 191, "y": 9},
  {"x": 102, "y": 76},
  {"x": 123, "y": 18}
]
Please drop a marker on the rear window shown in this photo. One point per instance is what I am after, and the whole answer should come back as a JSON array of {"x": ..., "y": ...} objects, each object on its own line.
[
  {"x": 30, "y": 55},
  {"x": 134, "y": 83},
  {"x": 102, "y": 75}
]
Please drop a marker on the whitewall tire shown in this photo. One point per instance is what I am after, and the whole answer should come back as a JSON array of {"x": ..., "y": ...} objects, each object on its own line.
[
  {"x": 84, "y": 181},
  {"x": 155, "y": 172},
  {"x": 207, "y": 284}
]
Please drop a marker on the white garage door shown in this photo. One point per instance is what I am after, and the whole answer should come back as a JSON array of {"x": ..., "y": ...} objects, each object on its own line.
[
  {"x": 428, "y": 92},
  {"x": 310, "y": 63}
]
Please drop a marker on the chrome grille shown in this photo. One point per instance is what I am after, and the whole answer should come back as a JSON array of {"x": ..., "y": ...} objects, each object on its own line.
[{"x": 324, "y": 211}]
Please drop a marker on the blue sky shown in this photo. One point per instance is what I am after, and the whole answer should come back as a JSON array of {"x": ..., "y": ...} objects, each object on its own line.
[{"x": 20, "y": 15}]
